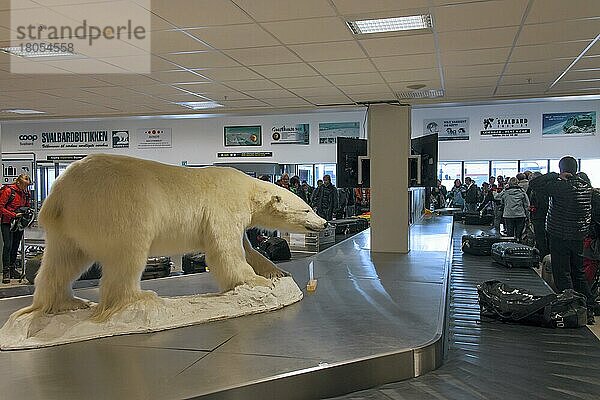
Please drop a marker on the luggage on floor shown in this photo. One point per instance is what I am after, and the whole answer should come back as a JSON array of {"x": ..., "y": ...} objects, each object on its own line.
[
  {"x": 275, "y": 249},
  {"x": 515, "y": 255},
  {"x": 482, "y": 245},
  {"x": 157, "y": 267},
  {"x": 478, "y": 219},
  {"x": 500, "y": 301},
  {"x": 193, "y": 263}
]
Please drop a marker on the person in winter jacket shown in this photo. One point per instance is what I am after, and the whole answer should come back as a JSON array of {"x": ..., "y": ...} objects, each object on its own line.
[
  {"x": 523, "y": 181},
  {"x": 456, "y": 194},
  {"x": 471, "y": 195},
  {"x": 325, "y": 199},
  {"x": 516, "y": 208},
  {"x": 538, "y": 209},
  {"x": 567, "y": 224},
  {"x": 295, "y": 188},
  {"x": 12, "y": 198}
]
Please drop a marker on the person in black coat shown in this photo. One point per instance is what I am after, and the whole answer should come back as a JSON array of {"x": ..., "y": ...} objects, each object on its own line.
[
  {"x": 325, "y": 199},
  {"x": 538, "y": 211},
  {"x": 471, "y": 195},
  {"x": 567, "y": 223}
]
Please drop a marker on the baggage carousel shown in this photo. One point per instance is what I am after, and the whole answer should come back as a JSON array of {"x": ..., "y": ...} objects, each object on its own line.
[{"x": 373, "y": 319}]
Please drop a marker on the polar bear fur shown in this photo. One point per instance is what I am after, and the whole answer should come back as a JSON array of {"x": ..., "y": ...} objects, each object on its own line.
[{"x": 118, "y": 210}]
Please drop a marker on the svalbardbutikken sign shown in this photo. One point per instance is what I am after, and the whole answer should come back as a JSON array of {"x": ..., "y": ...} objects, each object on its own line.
[{"x": 63, "y": 140}]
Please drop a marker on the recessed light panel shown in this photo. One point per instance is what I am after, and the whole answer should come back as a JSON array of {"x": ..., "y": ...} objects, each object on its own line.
[
  {"x": 23, "y": 112},
  {"x": 422, "y": 94},
  {"x": 200, "y": 105},
  {"x": 36, "y": 52},
  {"x": 412, "y": 22}
]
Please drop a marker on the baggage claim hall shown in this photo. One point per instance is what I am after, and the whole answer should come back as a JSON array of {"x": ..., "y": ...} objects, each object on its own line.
[{"x": 414, "y": 183}]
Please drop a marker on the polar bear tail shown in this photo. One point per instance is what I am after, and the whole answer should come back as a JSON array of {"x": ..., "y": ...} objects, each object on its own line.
[{"x": 51, "y": 211}]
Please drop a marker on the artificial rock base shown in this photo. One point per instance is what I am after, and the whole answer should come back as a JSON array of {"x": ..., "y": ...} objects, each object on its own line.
[{"x": 161, "y": 313}]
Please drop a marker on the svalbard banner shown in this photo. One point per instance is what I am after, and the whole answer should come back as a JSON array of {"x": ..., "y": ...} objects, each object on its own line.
[
  {"x": 63, "y": 140},
  {"x": 505, "y": 126}
]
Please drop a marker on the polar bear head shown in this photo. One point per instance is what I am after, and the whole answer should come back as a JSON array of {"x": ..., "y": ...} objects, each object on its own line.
[{"x": 278, "y": 208}]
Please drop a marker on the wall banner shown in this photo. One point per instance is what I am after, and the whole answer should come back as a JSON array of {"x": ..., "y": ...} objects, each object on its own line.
[
  {"x": 503, "y": 126},
  {"x": 246, "y": 154},
  {"x": 63, "y": 140},
  {"x": 154, "y": 138},
  {"x": 330, "y": 131},
  {"x": 120, "y": 139},
  {"x": 582, "y": 123},
  {"x": 447, "y": 128},
  {"x": 243, "y": 135},
  {"x": 291, "y": 134},
  {"x": 12, "y": 168}
]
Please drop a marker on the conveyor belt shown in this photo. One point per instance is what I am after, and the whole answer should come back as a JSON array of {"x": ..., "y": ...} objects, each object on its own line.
[{"x": 493, "y": 360}]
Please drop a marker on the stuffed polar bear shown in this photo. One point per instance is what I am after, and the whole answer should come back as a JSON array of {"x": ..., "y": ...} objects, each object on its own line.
[{"x": 118, "y": 210}]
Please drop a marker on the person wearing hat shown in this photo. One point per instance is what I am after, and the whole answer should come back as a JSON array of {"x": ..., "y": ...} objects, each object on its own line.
[{"x": 12, "y": 198}]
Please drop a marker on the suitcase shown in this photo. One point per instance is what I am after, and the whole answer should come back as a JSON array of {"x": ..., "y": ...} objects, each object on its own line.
[
  {"x": 482, "y": 245},
  {"x": 275, "y": 249},
  {"x": 32, "y": 266},
  {"x": 349, "y": 226},
  {"x": 478, "y": 219},
  {"x": 157, "y": 267},
  {"x": 192, "y": 263},
  {"x": 515, "y": 255}
]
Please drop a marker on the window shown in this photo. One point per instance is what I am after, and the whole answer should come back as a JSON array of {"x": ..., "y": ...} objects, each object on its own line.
[
  {"x": 305, "y": 172},
  {"x": 535, "y": 165},
  {"x": 507, "y": 169},
  {"x": 478, "y": 171},
  {"x": 448, "y": 171},
  {"x": 325, "y": 169},
  {"x": 554, "y": 166},
  {"x": 592, "y": 168}
]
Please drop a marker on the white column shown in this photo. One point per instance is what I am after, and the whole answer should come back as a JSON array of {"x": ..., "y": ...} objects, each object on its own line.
[{"x": 389, "y": 148}]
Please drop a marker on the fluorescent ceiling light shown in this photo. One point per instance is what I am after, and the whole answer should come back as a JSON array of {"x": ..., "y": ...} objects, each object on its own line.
[
  {"x": 23, "y": 52},
  {"x": 390, "y": 24},
  {"x": 422, "y": 94},
  {"x": 200, "y": 105},
  {"x": 24, "y": 112}
]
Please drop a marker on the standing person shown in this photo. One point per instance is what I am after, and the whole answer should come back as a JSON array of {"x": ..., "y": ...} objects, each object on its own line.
[
  {"x": 297, "y": 189},
  {"x": 325, "y": 199},
  {"x": 516, "y": 208},
  {"x": 492, "y": 181},
  {"x": 442, "y": 188},
  {"x": 471, "y": 195},
  {"x": 500, "y": 182},
  {"x": 523, "y": 181},
  {"x": 538, "y": 210},
  {"x": 308, "y": 190},
  {"x": 12, "y": 198},
  {"x": 456, "y": 194},
  {"x": 567, "y": 223},
  {"x": 284, "y": 182}
]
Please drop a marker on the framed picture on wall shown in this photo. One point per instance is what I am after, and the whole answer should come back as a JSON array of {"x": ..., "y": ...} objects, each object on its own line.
[{"x": 243, "y": 135}]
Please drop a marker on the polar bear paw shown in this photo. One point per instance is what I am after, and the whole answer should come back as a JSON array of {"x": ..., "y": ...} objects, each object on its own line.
[
  {"x": 258, "y": 280},
  {"x": 273, "y": 273}
]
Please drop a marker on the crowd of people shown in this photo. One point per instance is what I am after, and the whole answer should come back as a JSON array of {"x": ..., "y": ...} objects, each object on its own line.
[{"x": 560, "y": 210}]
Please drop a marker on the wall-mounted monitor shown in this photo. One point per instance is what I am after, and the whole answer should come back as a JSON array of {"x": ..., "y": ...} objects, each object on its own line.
[
  {"x": 427, "y": 148},
  {"x": 348, "y": 151}
]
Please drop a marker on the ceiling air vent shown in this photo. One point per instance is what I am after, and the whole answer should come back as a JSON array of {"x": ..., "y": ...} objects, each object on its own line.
[{"x": 421, "y": 94}]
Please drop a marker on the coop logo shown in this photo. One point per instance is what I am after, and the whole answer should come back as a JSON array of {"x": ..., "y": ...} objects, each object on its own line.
[
  {"x": 120, "y": 139},
  {"x": 27, "y": 140}
]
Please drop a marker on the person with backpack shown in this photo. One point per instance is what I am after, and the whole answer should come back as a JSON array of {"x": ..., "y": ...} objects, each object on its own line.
[{"x": 13, "y": 198}]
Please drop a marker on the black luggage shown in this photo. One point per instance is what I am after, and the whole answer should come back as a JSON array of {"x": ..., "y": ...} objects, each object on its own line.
[
  {"x": 32, "y": 267},
  {"x": 478, "y": 219},
  {"x": 515, "y": 255},
  {"x": 458, "y": 216},
  {"x": 275, "y": 249},
  {"x": 157, "y": 267},
  {"x": 192, "y": 263},
  {"x": 482, "y": 245},
  {"x": 349, "y": 226}
]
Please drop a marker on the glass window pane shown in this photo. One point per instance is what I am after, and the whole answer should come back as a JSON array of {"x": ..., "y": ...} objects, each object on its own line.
[
  {"x": 535, "y": 165},
  {"x": 448, "y": 171},
  {"x": 507, "y": 169},
  {"x": 478, "y": 171},
  {"x": 325, "y": 169},
  {"x": 305, "y": 172},
  {"x": 592, "y": 169},
  {"x": 554, "y": 166}
]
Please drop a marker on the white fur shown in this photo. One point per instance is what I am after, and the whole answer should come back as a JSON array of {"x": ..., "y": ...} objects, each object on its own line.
[{"x": 119, "y": 210}]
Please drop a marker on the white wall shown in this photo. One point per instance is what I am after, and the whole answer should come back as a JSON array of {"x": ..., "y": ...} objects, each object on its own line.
[
  {"x": 196, "y": 141},
  {"x": 533, "y": 147}
]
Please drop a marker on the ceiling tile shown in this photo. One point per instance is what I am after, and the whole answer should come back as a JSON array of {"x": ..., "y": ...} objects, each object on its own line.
[
  {"x": 576, "y": 85},
  {"x": 349, "y": 7},
  {"x": 285, "y": 70},
  {"x": 302, "y": 82},
  {"x": 536, "y": 67},
  {"x": 174, "y": 76},
  {"x": 204, "y": 87},
  {"x": 119, "y": 79},
  {"x": 547, "y": 51},
  {"x": 366, "y": 97},
  {"x": 411, "y": 75},
  {"x": 229, "y": 74},
  {"x": 357, "y": 89},
  {"x": 269, "y": 94},
  {"x": 487, "y": 14},
  {"x": 528, "y": 79},
  {"x": 356, "y": 79},
  {"x": 287, "y": 102},
  {"x": 329, "y": 51},
  {"x": 429, "y": 84},
  {"x": 268, "y": 10},
  {"x": 160, "y": 64},
  {"x": 559, "y": 10},
  {"x": 477, "y": 39},
  {"x": 475, "y": 57},
  {"x": 155, "y": 90},
  {"x": 325, "y": 90},
  {"x": 559, "y": 32},
  {"x": 414, "y": 61},
  {"x": 310, "y": 30},
  {"x": 196, "y": 13},
  {"x": 329, "y": 100},
  {"x": 234, "y": 36},
  {"x": 485, "y": 91},
  {"x": 175, "y": 41},
  {"x": 224, "y": 96},
  {"x": 508, "y": 90},
  {"x": 575, "y": 74},
  {"x": 263, "y": 55},
  {"x": 244, "y": 103},
  {"x": 466, "y": 71},
  {"x": 588, "y": 62},
  {"x": 255, "y": 84},
  {"x": 210, "y": 59},
  {"x": 399, "y": 45},
  {"x": 344, "y": 66},
  {"x": 473, "y": 82}
]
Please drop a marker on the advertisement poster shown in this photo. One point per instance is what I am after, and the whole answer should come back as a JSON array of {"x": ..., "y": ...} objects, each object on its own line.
[
  {"x": 505, "y": 126},
  {"x": 330, "y": 131},
  {"x": 64, "y": 140},
  {"x": 11, "y": 169},
  {"x": 448, "y": 128},
  {"x": 291, "y": 134},
  {"x": 243, "y": 135},
  {"x": 120, "y": 139},
  {"x": 154, "y": 138},
  {"x": 581, "y": 123}
]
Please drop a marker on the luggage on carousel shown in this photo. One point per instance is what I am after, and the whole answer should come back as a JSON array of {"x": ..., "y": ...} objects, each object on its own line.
[
  {"x": 157, "y": 267},
  {"x": 193, "y": 263},
  {"x": 349, "y": 226},
  {"x": 478, "y": 219},
  {"x": 275, "y": 249},
  {"x": 481, "y": 245},
  {"x": 515, "y": 255}
]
